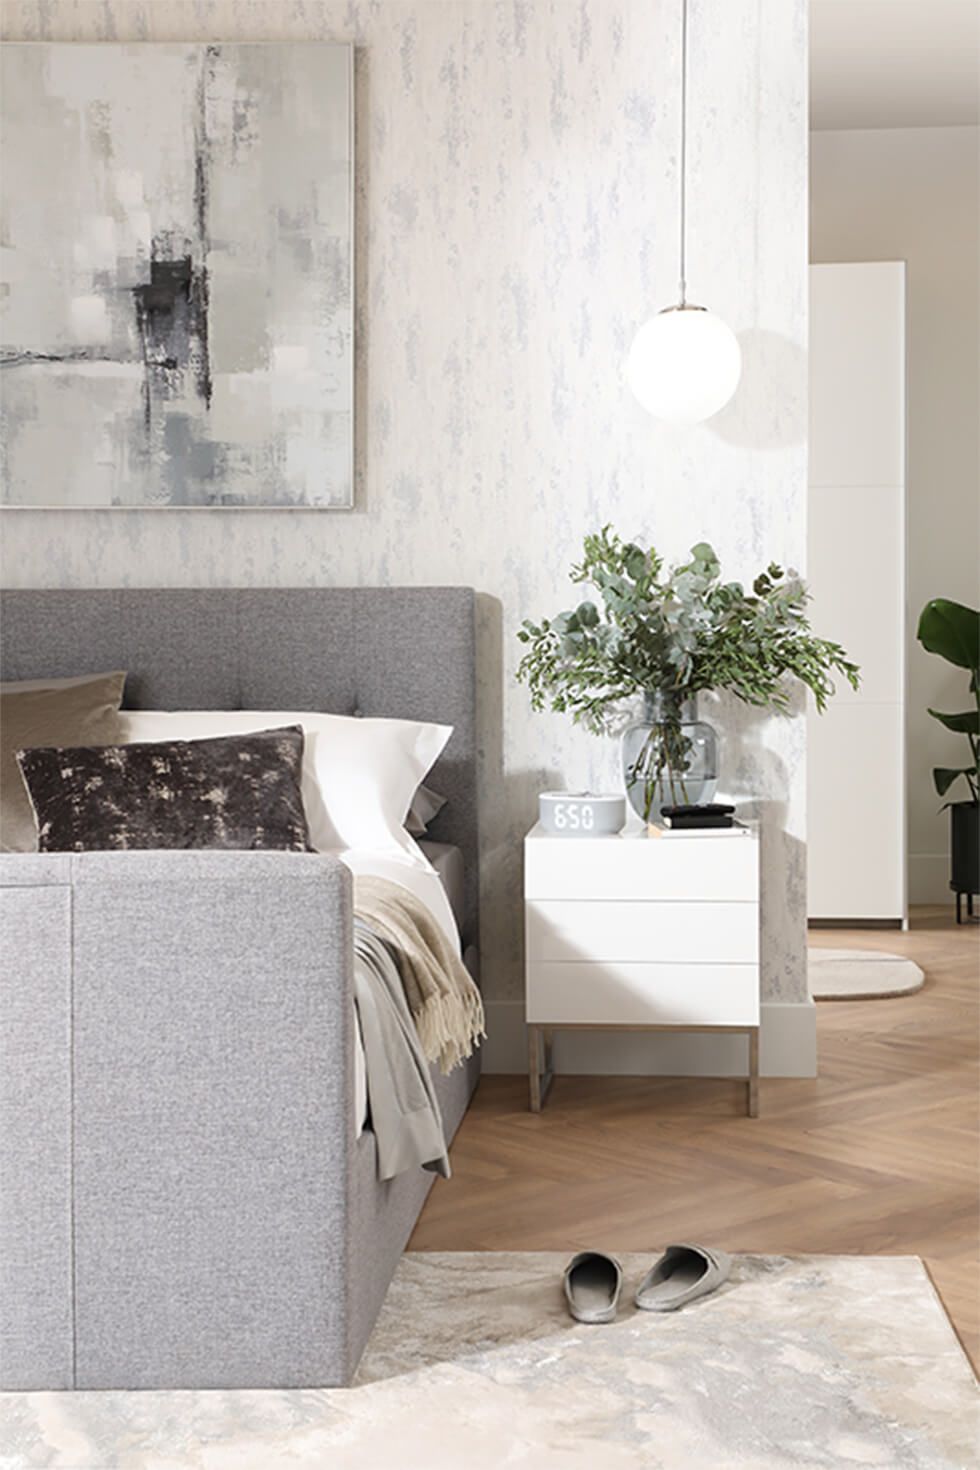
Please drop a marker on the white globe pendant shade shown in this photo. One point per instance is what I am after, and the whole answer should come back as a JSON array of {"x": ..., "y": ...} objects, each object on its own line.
[{"x": 684, "y": 364}]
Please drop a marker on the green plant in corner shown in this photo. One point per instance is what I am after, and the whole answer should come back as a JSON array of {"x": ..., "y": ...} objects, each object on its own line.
[
  {"x": 953, "y": 631},
  {"x": 672, "y": 633}
]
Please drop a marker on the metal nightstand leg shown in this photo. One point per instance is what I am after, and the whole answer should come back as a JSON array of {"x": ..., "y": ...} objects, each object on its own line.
[
  {"x": 752, "y": 1082},
  {"x": 540, "y": 1069}
]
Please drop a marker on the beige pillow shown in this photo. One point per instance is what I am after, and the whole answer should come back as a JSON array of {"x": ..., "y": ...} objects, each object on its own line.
[{"x": 38, "y": 712}]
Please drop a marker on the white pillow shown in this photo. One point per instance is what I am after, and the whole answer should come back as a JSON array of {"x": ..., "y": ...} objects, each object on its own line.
[{"x": 359, "y": 776}]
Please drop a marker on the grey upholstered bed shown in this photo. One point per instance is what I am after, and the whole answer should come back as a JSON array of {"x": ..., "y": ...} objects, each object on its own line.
[{"x": 183, "y": 1200}]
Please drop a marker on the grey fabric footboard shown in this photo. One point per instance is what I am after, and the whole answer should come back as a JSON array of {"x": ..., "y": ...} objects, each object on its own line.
[{"x": 183, "y": 1203}]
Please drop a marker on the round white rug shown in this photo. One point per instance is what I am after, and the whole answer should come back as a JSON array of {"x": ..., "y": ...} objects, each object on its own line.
[{"x": 861, "y": 974}]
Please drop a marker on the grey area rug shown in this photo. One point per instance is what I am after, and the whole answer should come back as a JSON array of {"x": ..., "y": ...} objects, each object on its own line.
[
  {"x": 813, "y": 1361},
  {"x": 861, "y": 974}
]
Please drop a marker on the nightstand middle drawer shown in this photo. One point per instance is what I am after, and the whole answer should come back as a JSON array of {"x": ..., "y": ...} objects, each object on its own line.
[{"x": 636, "y": 932}]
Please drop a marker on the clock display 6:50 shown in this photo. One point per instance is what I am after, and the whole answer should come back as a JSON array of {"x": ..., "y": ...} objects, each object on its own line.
[{"x": 574, "y": 816}]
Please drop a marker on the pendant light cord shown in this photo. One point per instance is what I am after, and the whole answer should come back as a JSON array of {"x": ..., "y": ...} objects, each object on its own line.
[{"x": 683, "y": 158}]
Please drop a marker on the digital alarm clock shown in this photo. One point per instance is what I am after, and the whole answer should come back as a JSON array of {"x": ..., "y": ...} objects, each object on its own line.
[{"x": 581, "y": 813}]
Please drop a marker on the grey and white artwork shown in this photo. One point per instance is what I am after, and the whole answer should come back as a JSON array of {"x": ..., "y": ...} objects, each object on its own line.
[{"x": 176, "y": 282}]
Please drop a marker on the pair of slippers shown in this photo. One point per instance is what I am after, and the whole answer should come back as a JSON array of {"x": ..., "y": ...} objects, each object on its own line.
[{"x": 593, "y": 1281}]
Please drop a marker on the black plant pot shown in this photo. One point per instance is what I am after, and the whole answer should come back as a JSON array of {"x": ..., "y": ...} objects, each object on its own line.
[{"x": 964, "y": 875}]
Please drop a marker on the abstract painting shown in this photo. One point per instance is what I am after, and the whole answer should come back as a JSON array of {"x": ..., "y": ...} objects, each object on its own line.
[{"x": 176, "y": 316}]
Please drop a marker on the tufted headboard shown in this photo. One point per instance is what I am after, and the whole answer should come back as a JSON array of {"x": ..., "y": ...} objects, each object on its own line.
[{"x": 403, "y": 652}]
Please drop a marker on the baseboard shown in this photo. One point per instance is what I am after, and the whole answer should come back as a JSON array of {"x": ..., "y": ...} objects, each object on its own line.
[
  {"x": 929, "y": 877},
  {"x": 787, "y": 1047},
  {"x": 856, "y": 924}
]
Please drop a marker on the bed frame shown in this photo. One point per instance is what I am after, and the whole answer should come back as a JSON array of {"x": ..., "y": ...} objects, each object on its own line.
[{"x": 183, "y": 1202}]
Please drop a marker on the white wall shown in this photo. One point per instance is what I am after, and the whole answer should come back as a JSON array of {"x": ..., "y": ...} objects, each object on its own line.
[
  {"x": 912, "y": 194},
  {"x": 516, "y": 206}
]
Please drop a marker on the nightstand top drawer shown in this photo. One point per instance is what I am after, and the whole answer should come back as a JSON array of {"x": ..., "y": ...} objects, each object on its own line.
[{"x": 682, "y": 866}]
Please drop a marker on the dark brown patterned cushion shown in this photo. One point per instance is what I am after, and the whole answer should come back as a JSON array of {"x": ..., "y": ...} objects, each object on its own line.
[{"x": 237, "y": 791}]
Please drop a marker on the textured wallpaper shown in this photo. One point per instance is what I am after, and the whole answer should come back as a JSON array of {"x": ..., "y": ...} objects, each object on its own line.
[{"x": 516, "y": 218}]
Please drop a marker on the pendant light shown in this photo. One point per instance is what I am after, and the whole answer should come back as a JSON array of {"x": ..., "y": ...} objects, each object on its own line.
[{"x": 685, "y": 363}]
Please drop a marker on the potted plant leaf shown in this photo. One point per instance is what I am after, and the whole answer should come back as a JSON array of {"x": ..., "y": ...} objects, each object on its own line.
[
  {"x": 668, "y": 635},
  {"x": 953, "y": 631}
]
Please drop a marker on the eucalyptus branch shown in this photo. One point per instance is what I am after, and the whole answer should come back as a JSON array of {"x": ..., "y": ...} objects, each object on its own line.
[{"x": 680, "y": 630}]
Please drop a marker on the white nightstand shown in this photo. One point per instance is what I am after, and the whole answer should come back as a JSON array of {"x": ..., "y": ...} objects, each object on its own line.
[{"x": 636, "y": 933}]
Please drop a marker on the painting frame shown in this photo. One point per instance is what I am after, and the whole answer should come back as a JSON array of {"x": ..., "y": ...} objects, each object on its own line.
[{"x": 229, "y": 501}]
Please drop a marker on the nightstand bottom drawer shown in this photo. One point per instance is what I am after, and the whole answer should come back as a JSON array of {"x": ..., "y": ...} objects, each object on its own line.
[{"x": 615, "y": 994}]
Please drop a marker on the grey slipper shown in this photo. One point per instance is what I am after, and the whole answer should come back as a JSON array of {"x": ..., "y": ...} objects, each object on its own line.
[
  {"x": 592, "y": 1283},
  {"x": 683, "y": 1273}
]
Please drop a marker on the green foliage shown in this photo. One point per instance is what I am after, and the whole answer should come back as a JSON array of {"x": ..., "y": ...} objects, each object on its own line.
[
  {"x": 953, "y": 632},
  {"x": 967, "y": 723},
  {"x": 944, "y": 776},
  {"x": 678, "y": 631}
]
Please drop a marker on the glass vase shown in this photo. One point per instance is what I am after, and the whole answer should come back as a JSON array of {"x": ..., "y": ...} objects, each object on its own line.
[{"x": 670, "y": 757}]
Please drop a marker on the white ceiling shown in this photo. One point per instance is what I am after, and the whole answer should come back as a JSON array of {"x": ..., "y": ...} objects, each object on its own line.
[{"x": 894, "y": 63}]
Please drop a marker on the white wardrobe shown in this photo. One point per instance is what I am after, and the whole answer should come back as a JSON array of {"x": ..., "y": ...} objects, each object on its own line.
[{"x": 856, "y": 547}]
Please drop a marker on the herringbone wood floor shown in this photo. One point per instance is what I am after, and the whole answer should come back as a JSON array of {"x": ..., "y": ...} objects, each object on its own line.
[{"x": 878, "y": 1155}]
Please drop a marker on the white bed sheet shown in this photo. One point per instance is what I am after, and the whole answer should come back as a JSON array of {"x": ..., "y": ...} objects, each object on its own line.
[{"x": 427, "y": 887}]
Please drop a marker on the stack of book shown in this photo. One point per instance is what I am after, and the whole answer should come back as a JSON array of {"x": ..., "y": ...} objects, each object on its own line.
[{"x": 685, "y": 818}]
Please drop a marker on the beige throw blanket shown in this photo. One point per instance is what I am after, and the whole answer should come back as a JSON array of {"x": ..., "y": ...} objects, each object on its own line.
[{"x": 445, "y": 1004}]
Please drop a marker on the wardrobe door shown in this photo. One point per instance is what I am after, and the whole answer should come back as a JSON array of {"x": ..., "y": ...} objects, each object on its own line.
[{"x": 856, "y": 823}]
